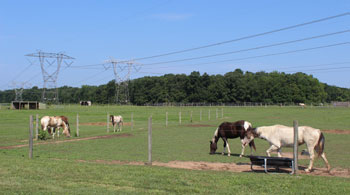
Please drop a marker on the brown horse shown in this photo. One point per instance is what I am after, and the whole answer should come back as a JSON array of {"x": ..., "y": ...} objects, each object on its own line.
[
  {"x": 51, "y": 123},
  {"x": 228, "y": 130}
]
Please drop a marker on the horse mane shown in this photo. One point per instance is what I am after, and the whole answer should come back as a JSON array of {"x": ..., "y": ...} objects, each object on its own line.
[{"x": 112, "y": 118}]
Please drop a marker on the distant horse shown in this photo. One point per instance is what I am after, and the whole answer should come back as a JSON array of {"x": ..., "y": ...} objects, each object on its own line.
[
  {"x": 228, "y": 130},
  {"x": 51, "y": 123},
  {"x": 117, "y": 121},
  {"x": 280, "y": 135}
]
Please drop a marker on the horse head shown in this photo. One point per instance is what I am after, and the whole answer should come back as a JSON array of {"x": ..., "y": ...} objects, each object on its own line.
[{"x": 213, "y": 147}]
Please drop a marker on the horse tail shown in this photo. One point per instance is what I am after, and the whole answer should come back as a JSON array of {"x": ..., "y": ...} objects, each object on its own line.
[
  {"x": 252, "y": 144},
  {"x": 320, "y": 144}
]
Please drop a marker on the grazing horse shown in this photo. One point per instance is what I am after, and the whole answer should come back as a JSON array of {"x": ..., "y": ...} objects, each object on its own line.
[
  {"x": 51, "y": 123},
  {"x": 117, "y": 120},
  {"x": 280, "y": 135},
  {"x": 228, "y": 130}
]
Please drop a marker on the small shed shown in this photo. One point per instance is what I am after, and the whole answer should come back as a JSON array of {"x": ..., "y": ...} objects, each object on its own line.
[
  {"x": 28, "y": 105},
  {"x": 85, "y": 103}
]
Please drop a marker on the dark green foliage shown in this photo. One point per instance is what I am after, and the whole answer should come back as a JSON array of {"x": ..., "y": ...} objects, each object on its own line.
[
  {"x": 43, "y": 135},
  {"x": 233, "y": 87}
]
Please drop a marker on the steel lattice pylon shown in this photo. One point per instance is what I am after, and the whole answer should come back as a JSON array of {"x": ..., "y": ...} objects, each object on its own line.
[
  {"x": 50, "y": 71},
  {"x": 19, "y": 87},
  {"x": 122, "y": 71}
]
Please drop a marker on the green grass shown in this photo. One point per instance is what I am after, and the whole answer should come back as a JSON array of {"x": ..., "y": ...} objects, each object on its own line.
[
  {"x": 54, "y": 168},
  {"x": 43, "y": 176}
]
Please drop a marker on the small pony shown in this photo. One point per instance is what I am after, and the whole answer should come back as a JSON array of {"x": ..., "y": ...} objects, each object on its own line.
[
  {"x": 51, "y": 123},
  {"x": 117, "y": 120}
]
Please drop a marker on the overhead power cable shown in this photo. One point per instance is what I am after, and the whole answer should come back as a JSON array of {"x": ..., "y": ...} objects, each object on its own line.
[
  {"x": 247, "y": 37},
  {"x": 260, "y": 56},
  {"x": 250, "y": 49}
]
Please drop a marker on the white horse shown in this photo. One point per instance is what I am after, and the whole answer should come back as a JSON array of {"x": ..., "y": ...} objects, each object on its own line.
[
  {"x": 117, "y": 121},
  {"x": 51, "y": 123},
  {"x": 280, "y": 135}
]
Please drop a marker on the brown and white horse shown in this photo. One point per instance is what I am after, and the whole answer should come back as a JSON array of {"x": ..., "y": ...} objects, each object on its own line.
[
  {"x": 280, "y": 135},
  {"x": 228, "y": 130},
  {"x": 51, "y": 123},
  {"x": 117, "y": 121}
]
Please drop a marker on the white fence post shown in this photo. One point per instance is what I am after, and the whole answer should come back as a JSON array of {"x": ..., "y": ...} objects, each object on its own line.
[
  {"x": 209, "y": 114},
  {"x": 77, "y": 125},
  {"x": 132, "y": 121},
  {"x": 180, "y": 118},
  {"x": 166, "y": 119},
  {"x": 37, "y": 127},
  {"x": 107, "y": 122},
  {"x": 31, "y": 136},
  {"x": 191, "y": 116},
  {"x": 150, "y": 140},
  {"x": 222, "y": 112},
  {"x": 217, "y": 115},
  {"x": 200, "y": 115},
  {"x": 295, "y": 148}
]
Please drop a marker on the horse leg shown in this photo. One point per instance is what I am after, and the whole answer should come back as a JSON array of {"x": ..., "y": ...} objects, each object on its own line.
[
  {"x": 312, "y": 157},
  {"x": 243, "y": 147},
  {"x": 272, "y": 148},
  {"x": 114, "y": 128},
  {"x": 223, "y": 152},
  {"x": 228, "y": 148},
  {"x": 323, "y": 155},
  {"x": 279, "y": 152},
  {"x": 53, "y": 130}
]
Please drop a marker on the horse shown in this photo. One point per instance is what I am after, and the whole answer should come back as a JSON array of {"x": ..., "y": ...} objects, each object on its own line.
[
  {"x": 51, "y": 123},
  {"x": 117, "y": 120},
  {"x": 279, "y": 136},
  {"x": 229, "y": 130}
]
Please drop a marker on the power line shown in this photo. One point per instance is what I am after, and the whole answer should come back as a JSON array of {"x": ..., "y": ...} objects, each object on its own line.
[
  {"x": 260, "y": 56},
  {"x": 247, "y": 37},
  {"x": 250, "y": 49}
]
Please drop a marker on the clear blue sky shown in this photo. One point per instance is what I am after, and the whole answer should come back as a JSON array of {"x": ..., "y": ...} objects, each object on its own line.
[{"x": 94, "y": 31}]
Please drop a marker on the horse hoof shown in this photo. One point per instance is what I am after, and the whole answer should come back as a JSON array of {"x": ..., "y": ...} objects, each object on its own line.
[
  {"x": 307, "y": 170},
  {"x": 228, "y": 154},
  {"x": 240, "y": 156},
  {"x": 222, "y": 153}
]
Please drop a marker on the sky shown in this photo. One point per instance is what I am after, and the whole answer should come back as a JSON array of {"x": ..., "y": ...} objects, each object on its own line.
[{"x": 171, "y": 37}]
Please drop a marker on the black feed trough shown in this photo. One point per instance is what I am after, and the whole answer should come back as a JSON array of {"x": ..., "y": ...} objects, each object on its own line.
[{"x": 275, "y": 162}]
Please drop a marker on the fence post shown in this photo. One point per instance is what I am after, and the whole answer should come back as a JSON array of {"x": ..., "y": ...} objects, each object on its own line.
[
  {"x": 166, "y": 119},
  {"x": 191, "y": 116},
  {"x": 31, "y": 136},
  {"x": 180, "y": 118},
  {"x": 107, "y": 122},
  {"x": 37, "y": 127},
  {"x": 217, "y": 115},
  {"x": 209, "y": 114},
  {"x": 295, "y": 148},
  {"x": 132, "y": 121},
  {"x": 77, "y": 125},
  {"x": 150, "y": 140},
  {"x": 222, "y": 112},
  {"x": 200, "y": 115}
]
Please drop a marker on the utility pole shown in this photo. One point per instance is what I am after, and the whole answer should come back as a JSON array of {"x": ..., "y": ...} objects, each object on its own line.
[{"x": 50, "y": 64}]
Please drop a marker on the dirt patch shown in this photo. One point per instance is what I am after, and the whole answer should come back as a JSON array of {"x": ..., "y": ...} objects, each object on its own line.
[
  {"x": 101, "y": 124},
  {"x": 232, "y": 167},
  {"x": 69, "y": 140},
  {"x": 336, "y": 131},
  {"x": 200, "y": 125}
]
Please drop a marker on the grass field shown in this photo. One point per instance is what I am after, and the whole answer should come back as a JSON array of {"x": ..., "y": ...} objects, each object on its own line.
[{"x": 69, "y": 167}]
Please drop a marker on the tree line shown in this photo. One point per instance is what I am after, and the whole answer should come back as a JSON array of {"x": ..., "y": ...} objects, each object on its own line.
[{"x": 232, "y": 87}]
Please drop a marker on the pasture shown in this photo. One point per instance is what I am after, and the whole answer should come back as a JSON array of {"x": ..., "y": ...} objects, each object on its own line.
[{"x": 112, "y": 164}]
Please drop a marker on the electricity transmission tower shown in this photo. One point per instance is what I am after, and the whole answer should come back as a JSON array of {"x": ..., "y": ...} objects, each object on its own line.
[
  {"x": 50, "y": 67},
  {"x": 19, "y": 87},
  {"x": 122, "y": 71}
]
